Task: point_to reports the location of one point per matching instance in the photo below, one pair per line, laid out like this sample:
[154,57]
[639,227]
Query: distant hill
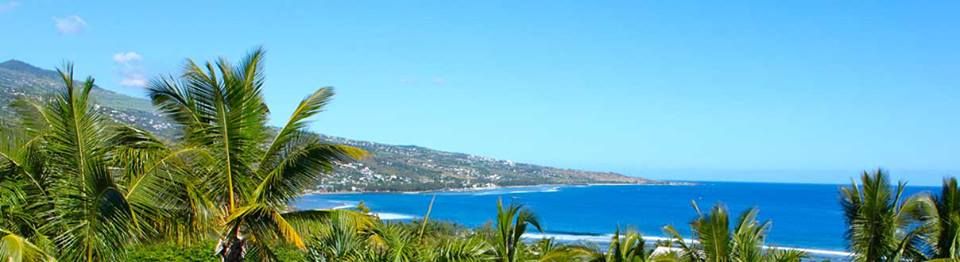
[19,79]
[390,168]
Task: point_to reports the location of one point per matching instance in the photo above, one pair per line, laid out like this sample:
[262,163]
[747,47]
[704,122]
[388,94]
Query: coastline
[821,249]
[605,238]
[480,189]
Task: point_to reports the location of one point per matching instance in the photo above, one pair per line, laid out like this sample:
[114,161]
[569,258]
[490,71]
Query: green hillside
[390,168]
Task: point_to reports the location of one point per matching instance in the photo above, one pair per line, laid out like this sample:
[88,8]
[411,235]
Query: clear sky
[817,88]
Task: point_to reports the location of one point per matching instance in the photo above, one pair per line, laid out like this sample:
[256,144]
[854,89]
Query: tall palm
[255,170]
[511,223]
[714,240]
[881,226]
[70,199]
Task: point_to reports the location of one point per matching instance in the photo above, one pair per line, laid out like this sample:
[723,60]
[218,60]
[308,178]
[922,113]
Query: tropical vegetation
[716,241]
[77,186]
[884,225]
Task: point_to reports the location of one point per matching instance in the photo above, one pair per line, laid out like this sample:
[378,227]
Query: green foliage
[630,247]
[941,214]
[884,226]
[77,186]
[251,172]
[714,240]
[549,250]
[80,187]
[18,248]
[352,236]
[66,195]
[171,252]
[511,223]
[881,225]
[199,252]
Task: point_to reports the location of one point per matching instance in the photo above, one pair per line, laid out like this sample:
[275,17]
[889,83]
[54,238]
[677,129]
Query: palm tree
[713,232]
[939,217]
[715,242]
[255,170]
[67,195]
[879,226]
[947,217]
[511,223]
[629,248]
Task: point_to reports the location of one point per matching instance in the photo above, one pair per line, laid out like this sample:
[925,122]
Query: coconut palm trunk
[231,248]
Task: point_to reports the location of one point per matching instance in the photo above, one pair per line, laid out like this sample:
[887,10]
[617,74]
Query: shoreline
[568,236]
[605,238]
[595,238]
[479,189]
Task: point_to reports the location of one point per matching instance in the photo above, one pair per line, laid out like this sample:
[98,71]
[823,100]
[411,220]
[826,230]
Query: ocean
[807,216]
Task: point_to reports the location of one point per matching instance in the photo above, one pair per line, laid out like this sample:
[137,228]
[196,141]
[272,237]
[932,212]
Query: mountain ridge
[390,167]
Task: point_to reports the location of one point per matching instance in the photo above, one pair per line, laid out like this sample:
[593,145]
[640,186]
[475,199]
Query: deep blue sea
[803,215]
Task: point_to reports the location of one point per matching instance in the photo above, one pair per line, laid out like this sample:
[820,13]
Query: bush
[203,252]
[169,252]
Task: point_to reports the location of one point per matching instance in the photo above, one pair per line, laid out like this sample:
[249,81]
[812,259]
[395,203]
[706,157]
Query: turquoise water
[803,215]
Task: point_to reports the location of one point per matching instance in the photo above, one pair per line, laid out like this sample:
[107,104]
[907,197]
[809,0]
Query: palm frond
[714,234]
[252,177]
[880,226]
[90,206]
[296,124]
[302,162]
[511,224]
[16,248]
[690,250]
[784,255]
[748,236]
[469,249]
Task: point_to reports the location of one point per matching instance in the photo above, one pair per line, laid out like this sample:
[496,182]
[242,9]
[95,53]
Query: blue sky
[791,91]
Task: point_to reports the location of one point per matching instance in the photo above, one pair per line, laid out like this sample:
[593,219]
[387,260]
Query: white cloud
[70,25]
[8,6]
[130,69]
[127,57]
